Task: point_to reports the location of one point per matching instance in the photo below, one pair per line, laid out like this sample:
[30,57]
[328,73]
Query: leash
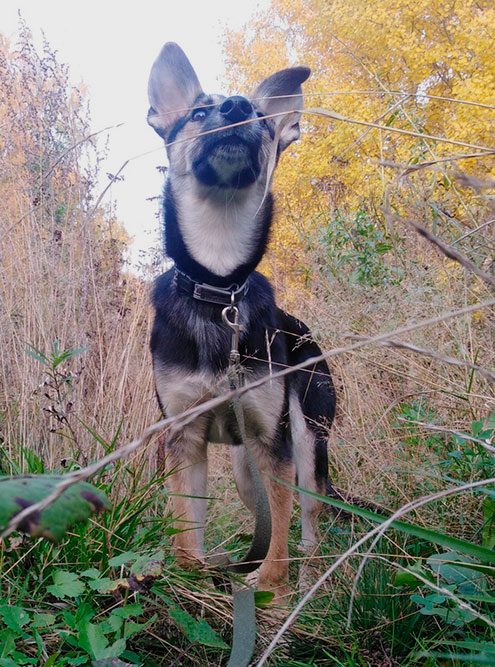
[244,635]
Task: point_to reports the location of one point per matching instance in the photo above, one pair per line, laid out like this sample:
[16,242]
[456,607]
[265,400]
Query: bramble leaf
[76,504]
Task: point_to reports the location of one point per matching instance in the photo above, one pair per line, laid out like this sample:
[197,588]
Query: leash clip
[235,328]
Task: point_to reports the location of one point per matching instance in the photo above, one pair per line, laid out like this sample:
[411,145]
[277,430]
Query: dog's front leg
[187,466]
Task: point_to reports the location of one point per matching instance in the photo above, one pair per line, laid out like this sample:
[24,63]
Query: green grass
[112,587]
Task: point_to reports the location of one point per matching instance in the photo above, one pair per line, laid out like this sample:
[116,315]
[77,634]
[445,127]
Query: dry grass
[62,277]
[373,383]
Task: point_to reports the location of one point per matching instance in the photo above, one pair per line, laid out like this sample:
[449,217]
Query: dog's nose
[236,108]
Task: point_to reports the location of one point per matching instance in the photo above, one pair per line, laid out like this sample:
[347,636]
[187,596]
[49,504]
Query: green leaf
[123,558]
[450,567]
[131,627]
[38,355]
[92,573]
[488,647]
[92,640]
[14,617]
[66,584]
[262,598]
[469,658]
[103,585]
[8,640]
[489,599]
[111,662]
[485,555]
[128,610]
[196,630]
[51,660]
[43,620]
[76,503]
[148,566]
[408,577]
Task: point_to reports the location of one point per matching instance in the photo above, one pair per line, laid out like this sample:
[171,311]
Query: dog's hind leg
[273,573]
[311,458]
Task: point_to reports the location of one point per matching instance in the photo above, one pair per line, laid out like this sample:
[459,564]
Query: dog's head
[223,142]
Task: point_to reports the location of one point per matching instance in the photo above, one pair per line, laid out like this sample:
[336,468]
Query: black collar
[225,296]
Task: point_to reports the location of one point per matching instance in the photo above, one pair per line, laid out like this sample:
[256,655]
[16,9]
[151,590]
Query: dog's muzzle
[229,158]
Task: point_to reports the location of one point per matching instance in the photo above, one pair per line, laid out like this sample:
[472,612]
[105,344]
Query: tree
[375,62]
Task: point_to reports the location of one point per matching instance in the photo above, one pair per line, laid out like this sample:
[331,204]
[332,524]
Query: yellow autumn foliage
[385,62]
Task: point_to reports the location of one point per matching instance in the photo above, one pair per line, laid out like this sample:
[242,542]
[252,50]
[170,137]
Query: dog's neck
[216,238]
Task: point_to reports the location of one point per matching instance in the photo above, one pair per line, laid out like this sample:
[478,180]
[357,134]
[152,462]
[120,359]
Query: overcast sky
[110,46]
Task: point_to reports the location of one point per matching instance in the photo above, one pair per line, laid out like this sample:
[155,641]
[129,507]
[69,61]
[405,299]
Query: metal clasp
[235,327]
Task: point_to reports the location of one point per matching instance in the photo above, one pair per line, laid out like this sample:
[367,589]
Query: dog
[217,210]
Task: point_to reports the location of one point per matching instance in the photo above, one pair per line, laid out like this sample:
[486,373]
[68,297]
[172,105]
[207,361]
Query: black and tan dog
[217,216]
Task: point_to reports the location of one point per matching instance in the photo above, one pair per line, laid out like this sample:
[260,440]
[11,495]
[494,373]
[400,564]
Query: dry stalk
[377,533]
[447,250]
[431,354]
[409,133]
[178,422]
[486,444]
[438,589]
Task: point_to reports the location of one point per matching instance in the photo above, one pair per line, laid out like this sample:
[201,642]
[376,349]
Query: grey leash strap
[244,636]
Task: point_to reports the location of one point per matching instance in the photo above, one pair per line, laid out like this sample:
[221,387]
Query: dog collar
[225,296]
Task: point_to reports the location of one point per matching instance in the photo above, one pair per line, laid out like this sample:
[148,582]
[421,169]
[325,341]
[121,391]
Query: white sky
[110,46]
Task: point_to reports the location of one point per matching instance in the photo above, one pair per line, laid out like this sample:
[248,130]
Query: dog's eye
[261,117]
[198,114]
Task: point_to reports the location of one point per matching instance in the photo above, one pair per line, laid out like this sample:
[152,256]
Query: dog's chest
[220,237]
[262,407]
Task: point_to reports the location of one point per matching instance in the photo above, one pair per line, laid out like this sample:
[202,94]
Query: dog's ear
[173,88]
[269,98]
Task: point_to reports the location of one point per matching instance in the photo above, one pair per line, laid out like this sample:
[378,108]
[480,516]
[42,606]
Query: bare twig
[410,168]
[447,249]
[438,589]
[430,353]
[378,531]
[180,421]
[473,231]
[443,429]
[336,116]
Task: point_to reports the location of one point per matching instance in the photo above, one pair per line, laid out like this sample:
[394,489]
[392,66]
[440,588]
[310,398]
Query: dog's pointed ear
[280,92]
[173,88]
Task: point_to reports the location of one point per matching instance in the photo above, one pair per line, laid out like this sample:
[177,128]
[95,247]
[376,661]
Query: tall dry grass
[62,274]
[63,279]
[410,282]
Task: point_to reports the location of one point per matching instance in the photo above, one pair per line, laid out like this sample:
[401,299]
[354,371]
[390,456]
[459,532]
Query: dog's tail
[334,492]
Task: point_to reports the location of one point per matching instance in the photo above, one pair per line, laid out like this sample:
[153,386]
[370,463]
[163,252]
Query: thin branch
[335,116]
[447,250]
[178,422]
[438,589]
[430,353]
[473,231]
[443,429]
[378,531]
[410,168]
